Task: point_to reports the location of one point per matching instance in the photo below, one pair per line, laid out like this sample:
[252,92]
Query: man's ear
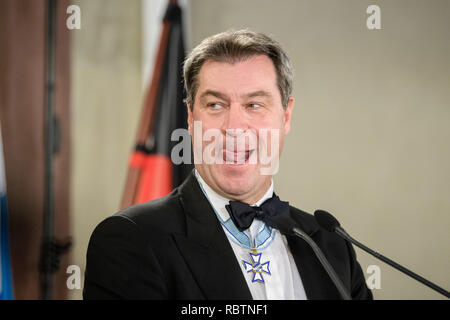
[190,119]
[288,115]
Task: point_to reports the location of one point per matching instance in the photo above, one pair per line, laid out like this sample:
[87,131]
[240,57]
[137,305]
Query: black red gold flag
[151,172]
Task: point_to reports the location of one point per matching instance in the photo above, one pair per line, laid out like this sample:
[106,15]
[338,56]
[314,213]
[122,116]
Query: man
[214,237]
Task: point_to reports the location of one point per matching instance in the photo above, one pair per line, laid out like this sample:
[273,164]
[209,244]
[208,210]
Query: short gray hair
[234,46]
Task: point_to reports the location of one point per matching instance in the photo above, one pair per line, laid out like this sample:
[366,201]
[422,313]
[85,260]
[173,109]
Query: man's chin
[236,180]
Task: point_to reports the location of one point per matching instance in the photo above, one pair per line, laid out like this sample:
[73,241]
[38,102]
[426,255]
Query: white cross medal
[256,267]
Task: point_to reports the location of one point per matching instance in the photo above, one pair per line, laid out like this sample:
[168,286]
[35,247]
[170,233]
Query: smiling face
[238,100]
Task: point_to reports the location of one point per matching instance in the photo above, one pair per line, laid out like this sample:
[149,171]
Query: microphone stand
[287,226]
[341,232]
[327,266]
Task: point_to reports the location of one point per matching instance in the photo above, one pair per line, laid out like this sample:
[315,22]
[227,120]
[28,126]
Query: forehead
[251,74]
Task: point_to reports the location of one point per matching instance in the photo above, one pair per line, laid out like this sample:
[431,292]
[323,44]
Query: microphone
[287,226]
[329,223]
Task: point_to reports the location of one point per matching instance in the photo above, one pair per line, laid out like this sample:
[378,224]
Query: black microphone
[287,226]
[329,223]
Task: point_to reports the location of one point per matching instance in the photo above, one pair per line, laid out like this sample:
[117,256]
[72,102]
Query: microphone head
[326,220]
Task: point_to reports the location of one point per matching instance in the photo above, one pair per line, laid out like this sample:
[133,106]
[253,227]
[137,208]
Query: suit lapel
[316,281]
[213,264]
[206,249]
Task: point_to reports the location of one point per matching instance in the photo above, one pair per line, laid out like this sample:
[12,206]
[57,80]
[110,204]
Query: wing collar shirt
[280,279]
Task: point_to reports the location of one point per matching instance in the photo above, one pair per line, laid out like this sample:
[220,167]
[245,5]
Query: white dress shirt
[283,282]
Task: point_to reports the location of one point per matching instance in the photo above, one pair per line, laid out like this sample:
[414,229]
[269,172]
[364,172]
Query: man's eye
[215,106]
[254,106]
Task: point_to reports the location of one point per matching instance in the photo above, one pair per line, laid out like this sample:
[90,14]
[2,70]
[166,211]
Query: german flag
[151,172]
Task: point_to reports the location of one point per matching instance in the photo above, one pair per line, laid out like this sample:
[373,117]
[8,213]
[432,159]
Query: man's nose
[236,119]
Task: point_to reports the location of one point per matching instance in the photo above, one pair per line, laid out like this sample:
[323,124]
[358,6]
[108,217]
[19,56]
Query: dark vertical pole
[48,226]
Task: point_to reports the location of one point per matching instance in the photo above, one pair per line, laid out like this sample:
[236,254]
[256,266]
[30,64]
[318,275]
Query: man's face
[242,102]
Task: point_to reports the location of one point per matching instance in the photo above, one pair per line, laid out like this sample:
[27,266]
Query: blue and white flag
[6,292]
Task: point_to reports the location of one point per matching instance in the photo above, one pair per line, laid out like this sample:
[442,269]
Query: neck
[252,197]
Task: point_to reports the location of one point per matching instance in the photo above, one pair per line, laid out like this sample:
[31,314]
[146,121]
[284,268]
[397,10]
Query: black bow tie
[243,214]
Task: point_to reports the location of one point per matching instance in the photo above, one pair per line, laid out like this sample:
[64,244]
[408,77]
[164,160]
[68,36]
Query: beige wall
[370,131]
[106,102]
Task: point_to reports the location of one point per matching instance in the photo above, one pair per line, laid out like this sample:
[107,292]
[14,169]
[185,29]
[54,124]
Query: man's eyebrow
[216,94]
[259,93]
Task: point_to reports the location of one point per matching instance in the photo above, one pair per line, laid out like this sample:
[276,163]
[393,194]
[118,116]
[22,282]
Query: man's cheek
[269,151]
[197,141]
[212,146]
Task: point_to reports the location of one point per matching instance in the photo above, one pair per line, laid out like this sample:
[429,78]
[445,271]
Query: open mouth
[237,157]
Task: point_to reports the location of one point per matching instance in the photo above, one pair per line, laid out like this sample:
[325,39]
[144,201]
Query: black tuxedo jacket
[175,248]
